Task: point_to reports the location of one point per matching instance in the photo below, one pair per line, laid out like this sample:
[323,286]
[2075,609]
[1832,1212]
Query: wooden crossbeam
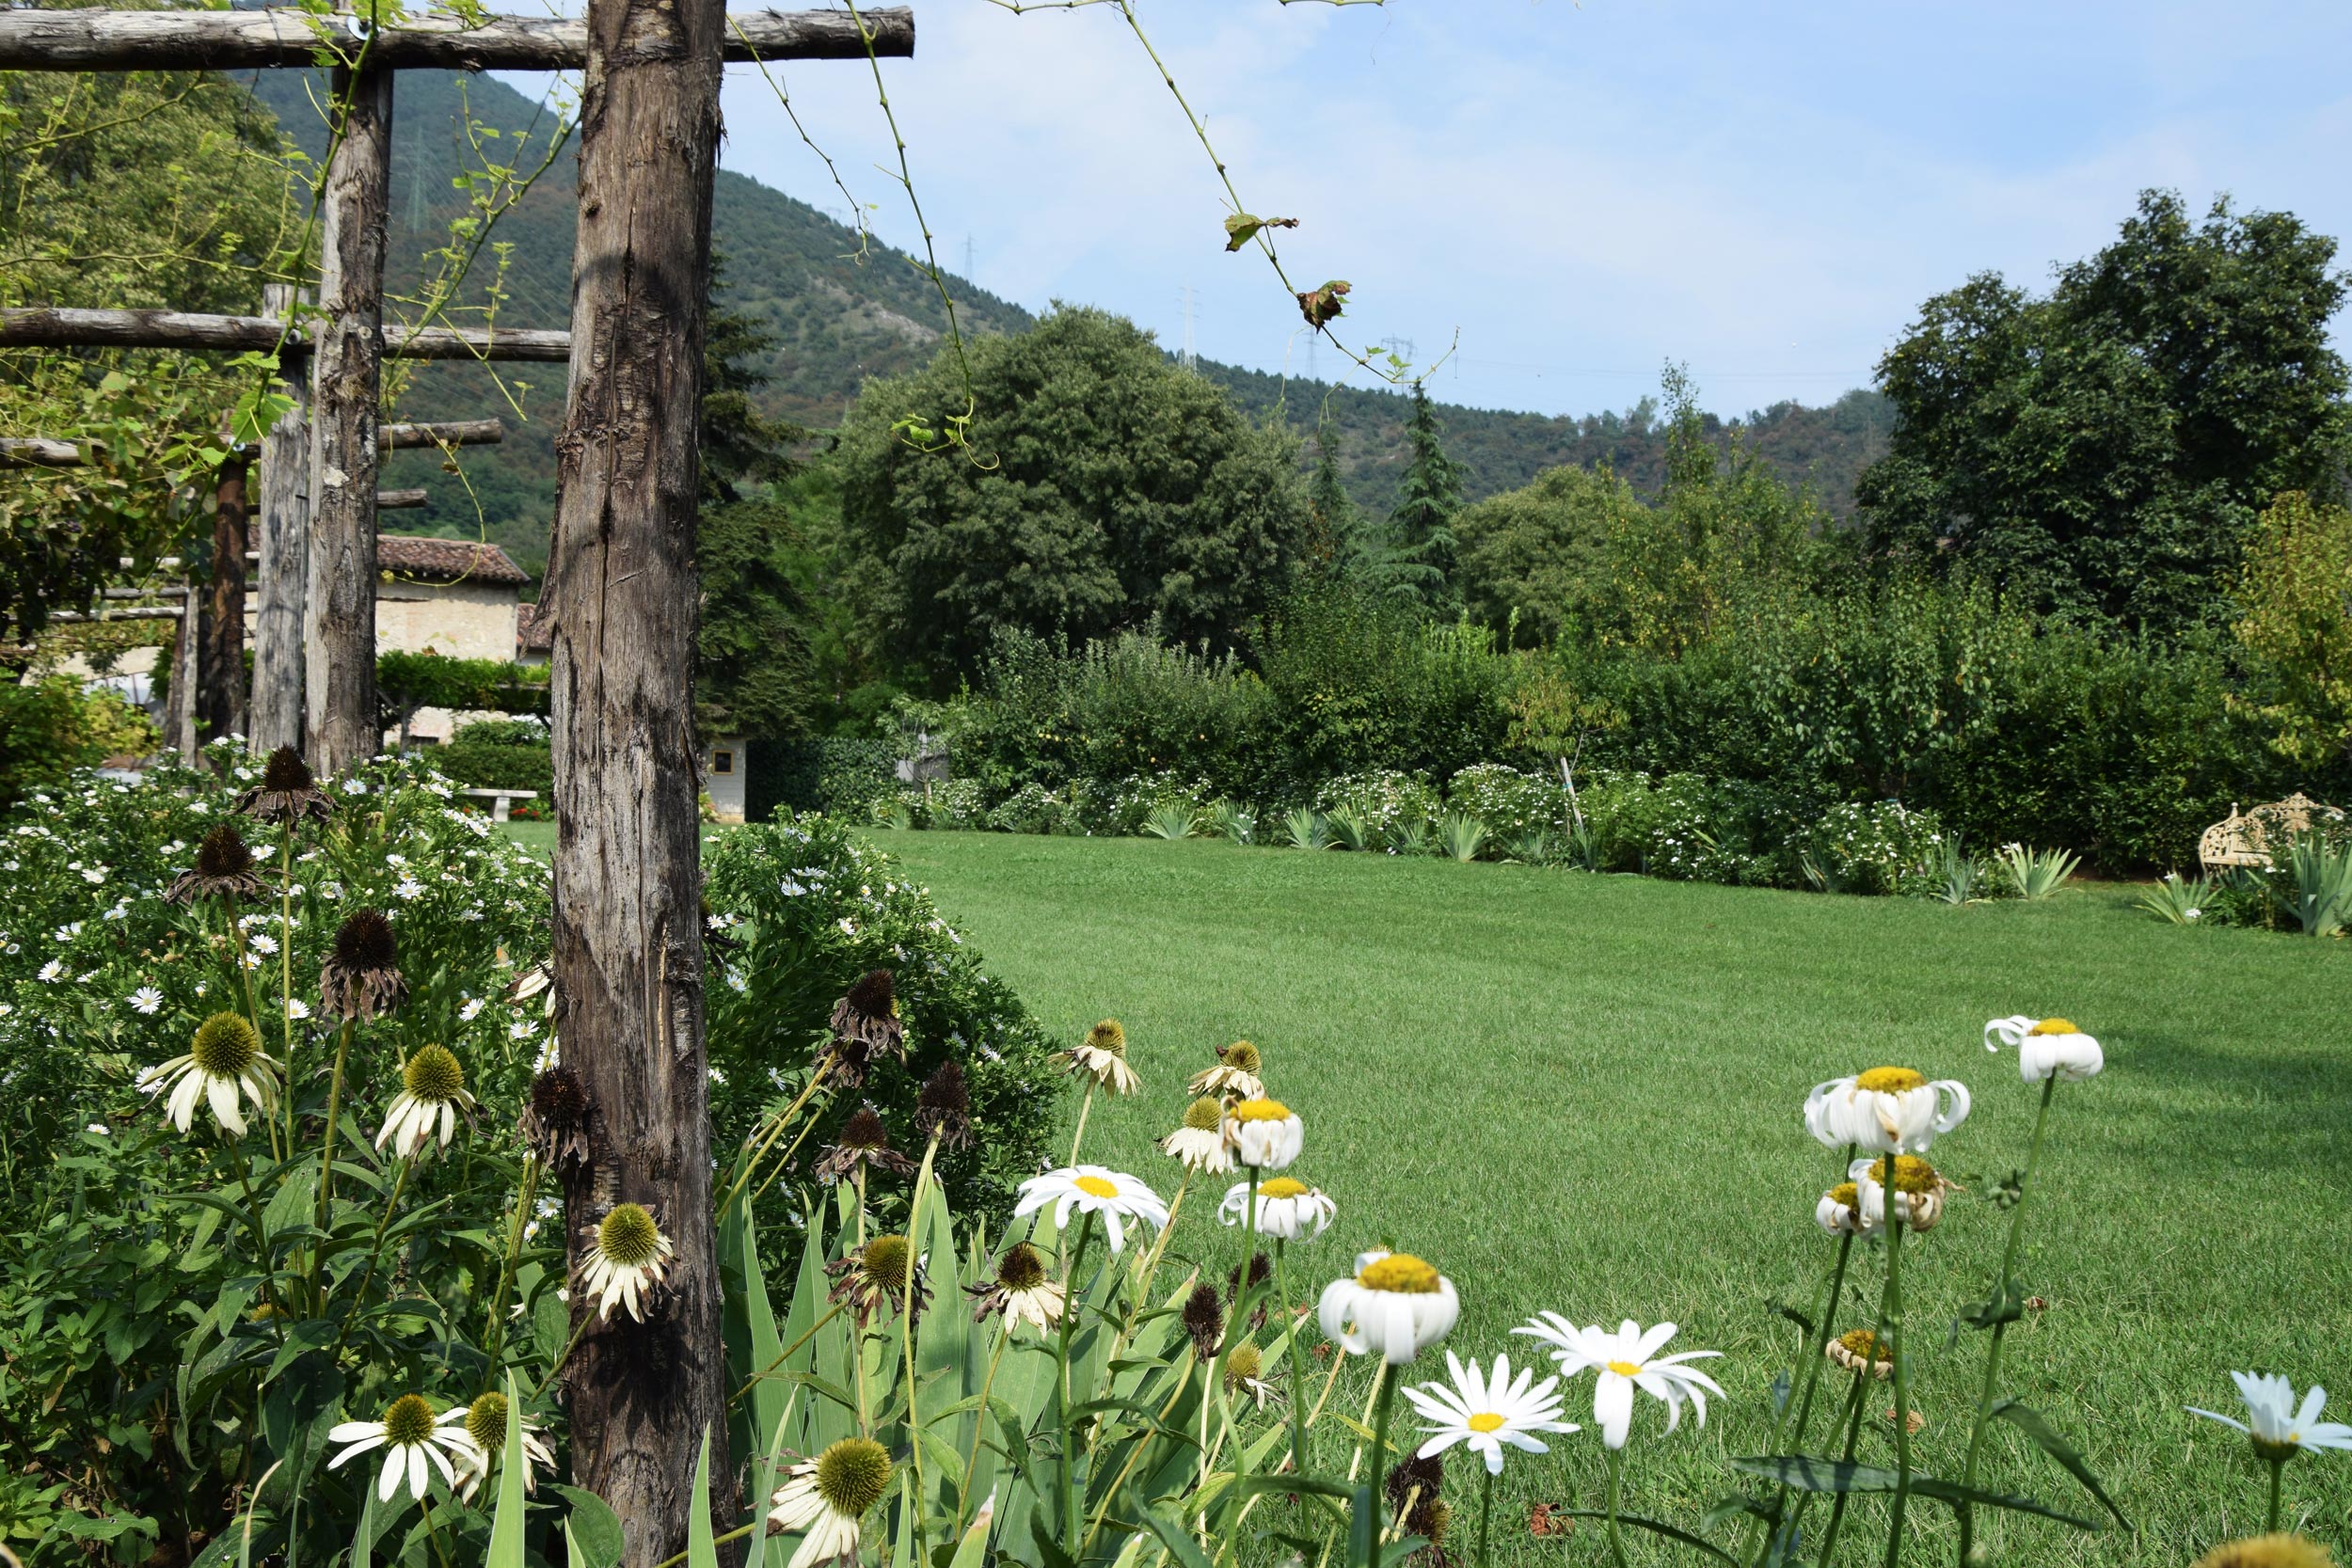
[37,452]
[399,500]
[286,36]
[447,433]
[45,327]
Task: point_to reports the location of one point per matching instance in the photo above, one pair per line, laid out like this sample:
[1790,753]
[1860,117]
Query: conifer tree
[1418,564]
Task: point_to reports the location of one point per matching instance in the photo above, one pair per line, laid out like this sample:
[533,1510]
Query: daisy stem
[327,1150]
[1384,1396]
[1066,1479]
[775,1131]
[1234,1329]
[1084,1106]
[2000,1328]
[979,1422]
[914,1426]
[1298,1407]
[1617,1541]
[2277,1467]
[285,968]
[433,1535]
[1853,1436]
[1485,1517]
[1893,1313]
[375,1251]
[1809,1375]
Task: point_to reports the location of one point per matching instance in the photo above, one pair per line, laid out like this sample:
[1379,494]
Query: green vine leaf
[1323,306]
[1242,227]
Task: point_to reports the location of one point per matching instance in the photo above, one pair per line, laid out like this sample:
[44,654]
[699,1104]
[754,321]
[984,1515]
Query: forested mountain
[838,319]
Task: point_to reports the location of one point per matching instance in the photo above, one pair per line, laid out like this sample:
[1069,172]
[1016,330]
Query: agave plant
[1235,822]
[2178,899]
[1582,849]
[1409,838]
[1532,848]
[1308,830]
[1955,876]
[2320,898]
[1169,820]
[2035,872]
[1348,831]
[1461,835]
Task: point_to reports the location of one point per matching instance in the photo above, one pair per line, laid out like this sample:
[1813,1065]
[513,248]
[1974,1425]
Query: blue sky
[1765,191]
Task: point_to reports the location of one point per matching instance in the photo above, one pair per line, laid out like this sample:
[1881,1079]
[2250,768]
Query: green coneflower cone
[287,792]
[2280,1550]
[852,1475]
[486,1423]
[407,1419]
[1243,1363]
[1205,1114]
[1243,1056]
[434,1074]
[878,1277]
[224,1046]
[224,869]
[629,1236]
[1110,1035]
[361,976]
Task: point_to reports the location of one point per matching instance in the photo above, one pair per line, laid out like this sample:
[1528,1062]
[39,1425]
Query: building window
[723,762]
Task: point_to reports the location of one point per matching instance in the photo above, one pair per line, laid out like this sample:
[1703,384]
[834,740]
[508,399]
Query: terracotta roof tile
[532,635]
[447,559]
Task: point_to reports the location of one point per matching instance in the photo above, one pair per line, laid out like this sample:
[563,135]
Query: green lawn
[1582,1093]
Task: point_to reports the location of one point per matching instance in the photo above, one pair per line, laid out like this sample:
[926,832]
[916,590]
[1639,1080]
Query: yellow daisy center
[1861,1345]
[1283,1186]
[1260,1110]
[1400,1272]
[1888,1080]
[1094,1186]
[2053,1026]
[852,1475]
[1846,1195]
[2268,1551]
[1485,1421]
[1625,1369]
[407,1419]
[1913,1175]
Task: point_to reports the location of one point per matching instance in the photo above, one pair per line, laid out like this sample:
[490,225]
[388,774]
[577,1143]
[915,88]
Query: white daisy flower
[408,889]
[410,1433]
[297,1009]
[1487,1410]
[1393,1306]
[225,1061]
[263,944]
[1626,1360]
[1887,1110]
[1264,1133]
[486,1426]
[433,1087]
[51,971]
[471,1010]
[101,1129]
[2046,1048]
[2280,1428]
[1839,1212]
[1288,1210]
[1199,1143]
[1918,1192]
[1092,1190]
[826,1499]
[146,999]
[627,1259]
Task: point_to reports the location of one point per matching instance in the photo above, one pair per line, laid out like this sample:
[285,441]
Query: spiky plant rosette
[555,1118]
[361,976]
[943,1110]
[287,792]
[1021,1291]
[876,1277]
[224,868]
[862,1143]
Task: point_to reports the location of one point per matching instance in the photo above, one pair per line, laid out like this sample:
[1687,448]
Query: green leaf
[2031,1423]
[594,1528]
[1172,1534]
[363,1539]
[1807,1473]
[702,1546]
[1953,1493]
[1655,1527]
[506,1522]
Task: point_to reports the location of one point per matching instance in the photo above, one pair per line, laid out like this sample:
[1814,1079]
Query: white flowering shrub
[1511,803]
[957,804]
[1877,848]
[1394,807]
[1035,808]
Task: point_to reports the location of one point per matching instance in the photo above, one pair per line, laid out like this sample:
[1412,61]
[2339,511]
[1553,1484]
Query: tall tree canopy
[2107,449]
[1419,561]
[1537,554]
[1102,488]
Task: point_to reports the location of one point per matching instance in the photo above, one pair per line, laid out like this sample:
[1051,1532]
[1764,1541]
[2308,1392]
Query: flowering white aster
[1887,1110]
[627,1257]
[2046,1048]
[1487,1410]
[1092,1190]
[1264,1133]
[225,1061]
[1394,1305]
[410,1433]
[52,971]
[433,1088]
[471,1010]
[1626,1360]
[486,1426]
[296,1010]
[827,1498]
[2278,1427]
[1918,1192]
[1199,1143]
[146,999]
[1288,1210]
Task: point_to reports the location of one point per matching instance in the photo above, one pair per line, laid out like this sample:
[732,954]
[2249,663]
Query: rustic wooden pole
[221,637]
[283,536]
[46,327]
[179,703]
[339,637]
[399,500]
[448,433]
[623,587]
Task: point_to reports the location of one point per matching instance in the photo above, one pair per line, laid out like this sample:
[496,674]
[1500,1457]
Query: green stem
[2000,1329]
[1297,1382]
[914,1426]
[285,970]
[1084,1106]
[494,1332]
[735,1534]
[376,1252]
[775,1131]
[1066,1480]
[326,1154]
[980,1424]
[1809,1378]
[1384,1396]
[1617,1541]
[1853,1439]
[2277,1467]
[787,1353]
[1485,1517]
[1893,1313]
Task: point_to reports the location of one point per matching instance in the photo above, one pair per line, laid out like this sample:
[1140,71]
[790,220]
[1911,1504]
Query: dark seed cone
[361,976]
[555,1118]
[1204,1319]
[868,1013]
[223,869]
[863,1141]
[287,792]
[1414,1485]
[1261,1270]
[944,1109]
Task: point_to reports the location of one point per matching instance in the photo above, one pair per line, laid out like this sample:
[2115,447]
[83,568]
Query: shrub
[52,726]
[501,753]
[1035,808]
[1383,801]
[1510,803]
[847,775]
[957,803]
[1880,848]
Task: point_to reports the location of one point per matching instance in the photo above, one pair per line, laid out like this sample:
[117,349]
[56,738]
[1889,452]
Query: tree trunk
[622,593]
[339,640]
[223,633]
[283,542]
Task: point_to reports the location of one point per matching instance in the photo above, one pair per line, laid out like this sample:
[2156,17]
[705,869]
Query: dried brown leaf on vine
[1242,226]
[1323,306]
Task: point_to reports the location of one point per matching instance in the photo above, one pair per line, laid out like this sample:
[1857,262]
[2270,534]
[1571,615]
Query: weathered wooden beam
[449,433]
[179,702]
[221,636]
[287,36]
[347,387]
[24,326]
[137,612]
[37,452]
[283,540]
[399,500]
[622,580]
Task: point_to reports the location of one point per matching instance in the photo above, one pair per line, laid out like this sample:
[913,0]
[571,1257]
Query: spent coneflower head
[361,976]
[878,1276]
[863,1142]
[1102,1057]
[225,1063]
[824,1499]
[1199,1143]
[1204,1319]
[555,1118]
[1261,1271]
[626,1259]
[432,1089]
[868,1013]
[1021,1291]
[223,869]
[1235,1075]
[1413,1488]
[287,792]
[944,1109]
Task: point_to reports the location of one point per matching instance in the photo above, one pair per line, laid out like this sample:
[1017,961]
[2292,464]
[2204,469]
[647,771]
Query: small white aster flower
[146,1000]
[408,890]
[471,1010]
[1485,1411]
[51,971]
[297,1009]
[410,1433]
[263,944]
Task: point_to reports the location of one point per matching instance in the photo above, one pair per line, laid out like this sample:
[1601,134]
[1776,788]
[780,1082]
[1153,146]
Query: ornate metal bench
[2246,838]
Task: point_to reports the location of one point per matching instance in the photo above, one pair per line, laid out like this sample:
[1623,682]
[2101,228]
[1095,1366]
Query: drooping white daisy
[2046,1048]
[486,1425]
[2280,1429]
[1264,1133]
[1919,1190]
[1092,1190]
[146,999]
[1626,1360]
[827,1498]
[1887,1110]
[1199,1143]
[1102,1056]
[410,1433]
[1487,1410]
[1288,1210]
[1394,1305]
[628,1256]
[225,1061]
[433,1088]
[1839,1212]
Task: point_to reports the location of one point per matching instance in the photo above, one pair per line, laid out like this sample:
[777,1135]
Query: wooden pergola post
[220,654]
[283,538]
